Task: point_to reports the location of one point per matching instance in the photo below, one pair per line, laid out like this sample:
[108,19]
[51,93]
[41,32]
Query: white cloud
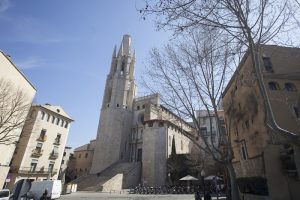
[4,5]
[29,63]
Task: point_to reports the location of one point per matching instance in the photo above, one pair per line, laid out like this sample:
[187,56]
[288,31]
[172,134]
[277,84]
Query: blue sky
[64,48]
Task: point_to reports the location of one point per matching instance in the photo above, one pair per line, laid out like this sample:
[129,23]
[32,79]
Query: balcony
[53,156]
[37,171]
[57,141]
[42,138]
[36,153]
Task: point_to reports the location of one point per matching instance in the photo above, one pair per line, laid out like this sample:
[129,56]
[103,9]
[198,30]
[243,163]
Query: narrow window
[117,105]
[57,122]
[274,86]
[79,156]
[138,107]
[296,110]
[62,123]
[66,125]
[123,67]
[53,119]
[143,106]
[51,166]
[43,115]
[247,124]
[244,151]
[33,165]
[268,64]
[290,87]
[86,155]
[48,117]
[181,145]
[42,135]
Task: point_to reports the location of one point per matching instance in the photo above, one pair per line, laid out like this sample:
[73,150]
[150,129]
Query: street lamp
[203,183]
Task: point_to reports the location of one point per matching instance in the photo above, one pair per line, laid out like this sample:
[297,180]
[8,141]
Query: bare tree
[14,106]
[248,23]
[191,75]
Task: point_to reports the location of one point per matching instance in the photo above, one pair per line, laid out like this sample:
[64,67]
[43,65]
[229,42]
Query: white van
[4,194]
[38,188]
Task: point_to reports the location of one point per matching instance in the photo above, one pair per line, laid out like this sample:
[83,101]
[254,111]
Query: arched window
[62,123]
[57,122]
[123,67]
[274,86]
[43,115]
[290,87]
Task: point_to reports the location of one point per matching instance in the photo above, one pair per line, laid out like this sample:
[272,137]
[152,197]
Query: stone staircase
[114,178]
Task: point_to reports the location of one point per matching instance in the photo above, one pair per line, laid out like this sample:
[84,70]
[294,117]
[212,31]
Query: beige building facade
[11,75]
[40,150]
[260,152]
[82,160]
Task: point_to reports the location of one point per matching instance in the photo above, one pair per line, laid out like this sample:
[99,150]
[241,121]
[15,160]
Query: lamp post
[203,183]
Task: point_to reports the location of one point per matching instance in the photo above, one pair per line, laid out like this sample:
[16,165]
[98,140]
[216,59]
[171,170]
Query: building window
[274,86]
[57,121]
[290,87]
[42,136]
[247,124]
[268,64]
[33,165]
[51,166]
[53,119]
[43,115]
[62,123]
[203,131]
[138,107]
[143,106]
[181,145]
[160,124]
[123,67]
[48,117]
[65,153]
[86,155]
[57,139]
[296,110]
[170,140]
[244,151]
[66,125]
[79,156]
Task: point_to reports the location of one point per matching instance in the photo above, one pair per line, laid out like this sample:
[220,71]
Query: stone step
[95,182]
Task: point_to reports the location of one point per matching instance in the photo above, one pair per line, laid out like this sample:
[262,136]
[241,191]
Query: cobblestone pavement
[115,196]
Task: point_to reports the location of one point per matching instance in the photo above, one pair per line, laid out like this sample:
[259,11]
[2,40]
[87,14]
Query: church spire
[114,52]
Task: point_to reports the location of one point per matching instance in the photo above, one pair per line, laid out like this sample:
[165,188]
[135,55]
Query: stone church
[134,138]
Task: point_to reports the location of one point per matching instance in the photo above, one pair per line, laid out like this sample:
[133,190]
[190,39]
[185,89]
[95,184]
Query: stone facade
[12,75]
[82,160]
[258,150]
[136,129]
[39,152]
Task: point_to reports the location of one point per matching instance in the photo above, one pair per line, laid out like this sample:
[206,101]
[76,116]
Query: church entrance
[139,155]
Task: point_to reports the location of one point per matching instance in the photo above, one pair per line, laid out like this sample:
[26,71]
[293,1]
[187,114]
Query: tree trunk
[233,185]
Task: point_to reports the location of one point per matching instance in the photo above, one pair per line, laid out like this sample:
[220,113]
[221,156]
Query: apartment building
[13,86]
[40,150]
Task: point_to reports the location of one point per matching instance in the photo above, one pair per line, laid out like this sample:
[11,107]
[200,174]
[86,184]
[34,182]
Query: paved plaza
[116,196]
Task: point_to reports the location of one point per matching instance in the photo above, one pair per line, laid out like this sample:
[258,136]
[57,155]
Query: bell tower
[116,111]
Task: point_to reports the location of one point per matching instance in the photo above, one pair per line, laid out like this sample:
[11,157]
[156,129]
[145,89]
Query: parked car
[4,194]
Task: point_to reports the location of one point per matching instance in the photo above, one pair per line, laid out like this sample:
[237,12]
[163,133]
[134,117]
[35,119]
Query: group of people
[198,195]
